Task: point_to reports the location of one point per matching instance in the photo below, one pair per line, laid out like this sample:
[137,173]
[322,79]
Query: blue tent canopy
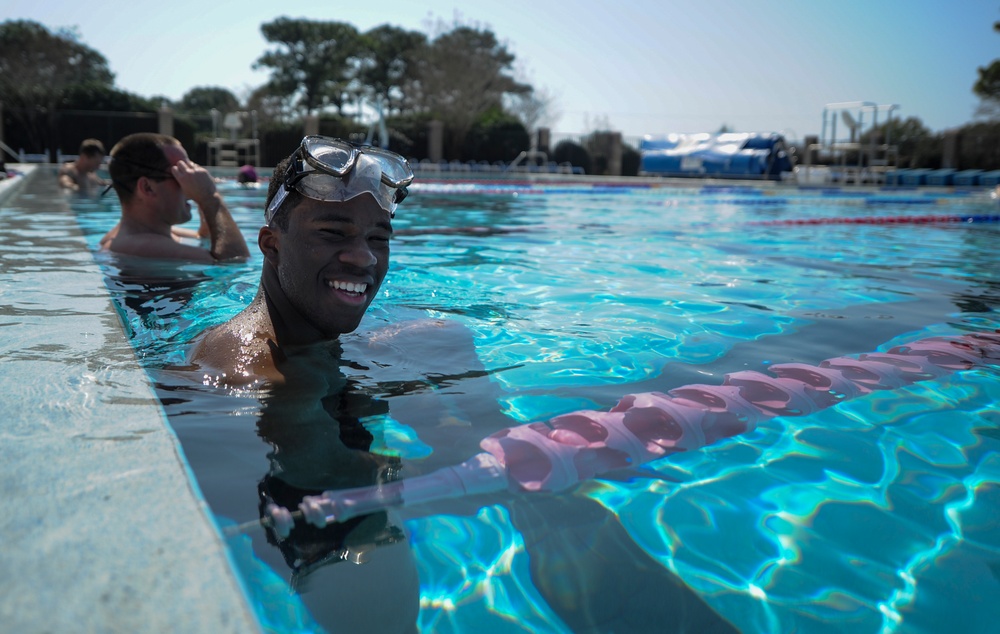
[725,155]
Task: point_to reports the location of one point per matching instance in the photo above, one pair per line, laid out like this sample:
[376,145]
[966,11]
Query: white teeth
[350,287]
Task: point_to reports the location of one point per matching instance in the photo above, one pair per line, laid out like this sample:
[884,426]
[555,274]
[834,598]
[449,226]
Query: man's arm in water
[227,240]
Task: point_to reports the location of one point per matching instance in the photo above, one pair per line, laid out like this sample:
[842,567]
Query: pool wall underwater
[104,529]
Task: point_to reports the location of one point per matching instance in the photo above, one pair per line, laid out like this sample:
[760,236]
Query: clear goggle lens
[333,170]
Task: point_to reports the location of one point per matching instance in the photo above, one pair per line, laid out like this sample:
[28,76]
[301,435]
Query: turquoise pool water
[879,514]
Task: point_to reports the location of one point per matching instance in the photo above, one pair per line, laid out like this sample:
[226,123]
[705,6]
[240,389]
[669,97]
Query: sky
[639,67]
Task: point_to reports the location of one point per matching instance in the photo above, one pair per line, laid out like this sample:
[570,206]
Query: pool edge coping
[102,551]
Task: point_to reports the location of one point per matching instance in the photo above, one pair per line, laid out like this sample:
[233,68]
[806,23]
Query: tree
[987,87]
[574,154]
[460,76]
[203,99]
[105,98]
[534,109]
[271,106]
[918,146]
[386,62]
[496,136]
[38,68]
[314,61]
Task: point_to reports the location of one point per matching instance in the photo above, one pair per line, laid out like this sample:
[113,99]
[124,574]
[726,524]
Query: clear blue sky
[642,67]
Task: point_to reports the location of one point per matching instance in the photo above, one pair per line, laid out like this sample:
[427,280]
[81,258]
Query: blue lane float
[882,220]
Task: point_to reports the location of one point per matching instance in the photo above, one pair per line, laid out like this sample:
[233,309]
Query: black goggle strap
[143,166]
[161,174]
[400,195]
[293,175]
[297,170]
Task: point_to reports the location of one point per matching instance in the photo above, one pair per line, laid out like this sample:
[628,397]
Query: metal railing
[851,159]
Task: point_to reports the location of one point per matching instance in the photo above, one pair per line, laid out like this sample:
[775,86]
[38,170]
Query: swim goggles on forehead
[334,170]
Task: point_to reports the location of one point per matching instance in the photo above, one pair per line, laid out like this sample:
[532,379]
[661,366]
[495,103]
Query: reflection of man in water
[311,434]
[318,442]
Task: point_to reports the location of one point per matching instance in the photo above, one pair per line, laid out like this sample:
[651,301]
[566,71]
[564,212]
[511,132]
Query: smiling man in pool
[325,243]
[324,393]
[154,180]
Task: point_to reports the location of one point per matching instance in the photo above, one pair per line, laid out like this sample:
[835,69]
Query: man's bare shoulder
[240,351]
[154,245]
[243,351]
[68,176]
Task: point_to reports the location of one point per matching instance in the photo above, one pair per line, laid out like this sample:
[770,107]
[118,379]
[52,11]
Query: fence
[39,134]
[56,136]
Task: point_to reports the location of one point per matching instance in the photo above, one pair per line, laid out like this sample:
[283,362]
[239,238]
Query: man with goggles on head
[154,180]
[326,252]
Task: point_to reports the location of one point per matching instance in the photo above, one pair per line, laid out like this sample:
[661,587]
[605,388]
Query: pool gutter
[104,529]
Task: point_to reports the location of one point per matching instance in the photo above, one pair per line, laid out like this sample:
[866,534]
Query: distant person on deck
[154,180]
[80,175]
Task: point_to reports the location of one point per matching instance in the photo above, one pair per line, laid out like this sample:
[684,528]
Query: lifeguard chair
[235,150]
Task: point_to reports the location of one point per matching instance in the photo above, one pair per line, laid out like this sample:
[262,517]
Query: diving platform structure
[235,150]
[852,151]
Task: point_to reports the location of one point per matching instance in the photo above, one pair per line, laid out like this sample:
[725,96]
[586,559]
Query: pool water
[879,514]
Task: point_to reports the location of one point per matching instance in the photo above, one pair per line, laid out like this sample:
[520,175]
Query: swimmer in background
[247,176]
[80,175]
[154,180]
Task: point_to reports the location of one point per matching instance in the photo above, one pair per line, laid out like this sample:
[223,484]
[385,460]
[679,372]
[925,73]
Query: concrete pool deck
[104,529]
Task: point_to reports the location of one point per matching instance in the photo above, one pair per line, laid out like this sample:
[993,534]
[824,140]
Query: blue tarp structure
[726,155]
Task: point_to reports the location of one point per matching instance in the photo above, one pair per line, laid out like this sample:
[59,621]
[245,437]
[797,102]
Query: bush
[630,161]
[496,137]
[574,154]
[408,135]
[341,128]
[277,140]
[979,146]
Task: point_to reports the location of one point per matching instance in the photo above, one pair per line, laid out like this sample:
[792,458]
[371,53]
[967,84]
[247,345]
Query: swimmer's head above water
[325,242]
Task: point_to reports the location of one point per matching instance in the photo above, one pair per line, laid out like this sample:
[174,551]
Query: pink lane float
[557,454]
